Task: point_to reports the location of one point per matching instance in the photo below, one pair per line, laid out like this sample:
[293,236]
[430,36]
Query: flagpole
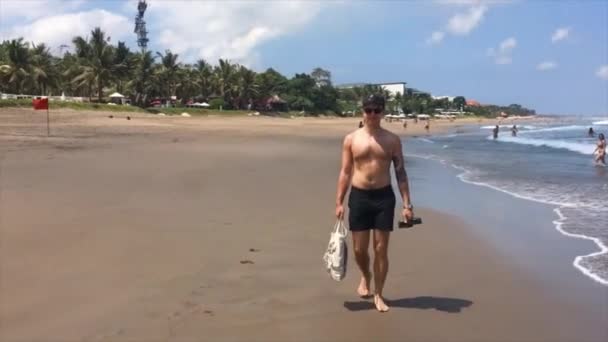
[48,130]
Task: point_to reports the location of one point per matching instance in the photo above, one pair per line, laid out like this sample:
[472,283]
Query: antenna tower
[140,25]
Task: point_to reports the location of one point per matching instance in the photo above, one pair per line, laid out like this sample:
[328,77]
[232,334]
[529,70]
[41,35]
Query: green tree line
[96,67]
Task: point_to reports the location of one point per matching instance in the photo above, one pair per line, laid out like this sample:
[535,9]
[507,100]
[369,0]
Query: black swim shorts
[371,208]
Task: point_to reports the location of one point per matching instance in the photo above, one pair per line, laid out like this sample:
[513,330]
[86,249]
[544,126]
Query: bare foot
[363,289]
[380,305]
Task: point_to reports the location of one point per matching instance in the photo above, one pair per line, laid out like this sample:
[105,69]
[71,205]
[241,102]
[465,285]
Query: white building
[450,98]
[394,88]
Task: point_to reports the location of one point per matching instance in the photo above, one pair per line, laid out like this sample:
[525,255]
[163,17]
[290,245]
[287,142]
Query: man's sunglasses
[373,110]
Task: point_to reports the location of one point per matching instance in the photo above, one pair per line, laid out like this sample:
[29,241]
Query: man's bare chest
[366,149]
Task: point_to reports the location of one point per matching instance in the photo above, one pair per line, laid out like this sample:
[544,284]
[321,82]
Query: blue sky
[498,52]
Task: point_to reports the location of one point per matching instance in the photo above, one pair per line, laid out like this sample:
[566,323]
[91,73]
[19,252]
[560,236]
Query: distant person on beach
[591,132]
[600,150]
[427,125]
[360,124]
[495,131]
[404,124]
[514,130]
[366,160]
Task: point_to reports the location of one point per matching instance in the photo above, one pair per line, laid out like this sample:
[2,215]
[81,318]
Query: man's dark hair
[374,100]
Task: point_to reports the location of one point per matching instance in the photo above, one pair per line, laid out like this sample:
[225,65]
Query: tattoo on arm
[400,169]
[401,175]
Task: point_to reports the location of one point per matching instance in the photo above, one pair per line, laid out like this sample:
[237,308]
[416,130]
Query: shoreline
[557,222]
[534,245]
[154,230]
[577,261]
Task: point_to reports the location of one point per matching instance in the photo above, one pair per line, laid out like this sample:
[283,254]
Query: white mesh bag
[336,255]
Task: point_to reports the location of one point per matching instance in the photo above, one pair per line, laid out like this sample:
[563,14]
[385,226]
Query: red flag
[40,103]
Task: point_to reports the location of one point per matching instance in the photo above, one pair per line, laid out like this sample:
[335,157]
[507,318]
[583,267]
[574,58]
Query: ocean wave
[558,129]
[469,176]
[579,259]
[582,148]
[428,157]
[579,207]
[603,122]
[453,135]
[509,126]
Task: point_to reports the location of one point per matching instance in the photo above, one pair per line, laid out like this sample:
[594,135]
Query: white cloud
[61,29]
[34,9]
[508,44]
[546,65]
[435,38]
[502,55]
[560,34]
[464,23]
[602,72]
[193,29]
[230,30]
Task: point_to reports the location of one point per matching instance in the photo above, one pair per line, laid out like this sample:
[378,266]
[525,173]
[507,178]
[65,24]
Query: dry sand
[213,229]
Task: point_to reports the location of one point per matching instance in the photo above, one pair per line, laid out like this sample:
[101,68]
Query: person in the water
[600,150]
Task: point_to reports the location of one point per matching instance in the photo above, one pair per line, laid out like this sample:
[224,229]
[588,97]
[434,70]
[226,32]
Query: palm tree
[17,71]
[143,77]
[223,77]
[397,102]
[270,82]
[168,71]
[96,61]
[203,73]
[75,68]
[43,70]
[187,85]
[386,94]
[247,86]
[322,77]
[123,65]
[460,102]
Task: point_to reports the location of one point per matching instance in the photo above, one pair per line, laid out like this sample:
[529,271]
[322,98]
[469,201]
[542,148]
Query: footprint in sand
[189,308]
[247,262]
[197,293]
[189,304]
[254,250]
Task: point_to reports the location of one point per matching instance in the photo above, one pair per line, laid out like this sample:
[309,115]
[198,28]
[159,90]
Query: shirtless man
[367,154]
